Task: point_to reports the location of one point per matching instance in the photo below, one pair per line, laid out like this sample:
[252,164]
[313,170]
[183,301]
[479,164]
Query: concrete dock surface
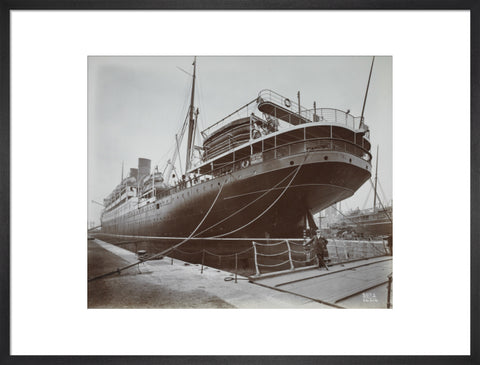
[172,283]
[357,284]
[161,284]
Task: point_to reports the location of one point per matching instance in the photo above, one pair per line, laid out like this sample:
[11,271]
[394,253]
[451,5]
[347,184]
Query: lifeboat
[227,137]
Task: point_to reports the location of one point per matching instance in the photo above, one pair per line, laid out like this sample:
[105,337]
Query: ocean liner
[261,171]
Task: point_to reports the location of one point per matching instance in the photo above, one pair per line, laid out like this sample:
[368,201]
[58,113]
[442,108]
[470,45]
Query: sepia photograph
[240,182]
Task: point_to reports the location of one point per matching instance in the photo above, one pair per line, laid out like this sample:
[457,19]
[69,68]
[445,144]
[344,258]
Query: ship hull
[269,199]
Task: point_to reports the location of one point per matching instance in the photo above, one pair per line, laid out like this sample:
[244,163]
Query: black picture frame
[7,6]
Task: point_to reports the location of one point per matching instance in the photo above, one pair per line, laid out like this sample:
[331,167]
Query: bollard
[203,258]
[236,266]
[389,305]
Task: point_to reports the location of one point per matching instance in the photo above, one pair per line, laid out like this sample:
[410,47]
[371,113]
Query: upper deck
[272,122]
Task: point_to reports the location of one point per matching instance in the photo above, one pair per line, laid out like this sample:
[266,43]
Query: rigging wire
[181,127]
[201,98]
[162,160]
[366,200]
[383,192]
[383,208]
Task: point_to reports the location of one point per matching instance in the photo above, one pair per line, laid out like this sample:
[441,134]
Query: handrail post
[304,139]
[256,261]
[251,135]
[389,304]
[290,256]
[203,259]
[275,146]
[236,266]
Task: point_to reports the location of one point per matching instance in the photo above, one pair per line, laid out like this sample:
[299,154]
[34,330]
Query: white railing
[326,115]
[243,112]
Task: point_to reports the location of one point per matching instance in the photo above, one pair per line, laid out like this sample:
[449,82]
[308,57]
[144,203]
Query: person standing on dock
[390,244]
[320,249]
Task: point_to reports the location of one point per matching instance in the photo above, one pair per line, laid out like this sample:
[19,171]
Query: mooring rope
[143,238]
[201,222]
[270,206]
[246,206]
[170,248]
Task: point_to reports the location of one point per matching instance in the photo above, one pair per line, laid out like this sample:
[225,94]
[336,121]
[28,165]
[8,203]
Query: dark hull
[280,212]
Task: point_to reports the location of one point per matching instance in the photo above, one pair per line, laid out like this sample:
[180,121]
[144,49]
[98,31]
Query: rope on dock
[201,222]
[167,250]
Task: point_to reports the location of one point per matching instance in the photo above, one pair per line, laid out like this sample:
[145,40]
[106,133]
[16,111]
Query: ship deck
[172,283]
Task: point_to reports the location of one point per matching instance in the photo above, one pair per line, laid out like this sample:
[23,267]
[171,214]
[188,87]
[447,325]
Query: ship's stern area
[276,195]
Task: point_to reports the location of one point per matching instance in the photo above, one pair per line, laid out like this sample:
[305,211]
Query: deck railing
[326,115]
[243,112]
[280,151]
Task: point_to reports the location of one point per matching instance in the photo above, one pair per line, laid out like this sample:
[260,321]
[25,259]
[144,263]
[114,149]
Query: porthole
[325,158]
[291,162]
[350,160]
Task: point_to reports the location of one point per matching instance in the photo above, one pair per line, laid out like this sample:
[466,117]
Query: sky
[136,105]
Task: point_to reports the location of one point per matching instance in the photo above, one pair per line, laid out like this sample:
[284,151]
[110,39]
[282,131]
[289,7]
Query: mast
[366,91]
[191,124]
[375,192]
[298,97]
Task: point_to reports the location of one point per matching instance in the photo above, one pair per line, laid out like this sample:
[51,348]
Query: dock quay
[173,283]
